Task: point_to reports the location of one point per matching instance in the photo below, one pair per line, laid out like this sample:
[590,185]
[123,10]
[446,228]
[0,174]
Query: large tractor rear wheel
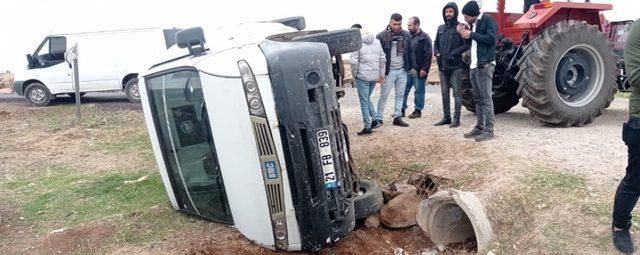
[567,74]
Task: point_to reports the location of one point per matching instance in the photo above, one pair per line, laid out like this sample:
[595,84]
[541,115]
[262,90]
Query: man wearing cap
[481,30]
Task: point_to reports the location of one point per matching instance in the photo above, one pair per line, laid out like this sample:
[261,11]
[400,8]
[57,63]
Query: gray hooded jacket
[369,62]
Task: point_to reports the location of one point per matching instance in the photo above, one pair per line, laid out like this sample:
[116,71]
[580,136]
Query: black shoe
[415,114]
[485,136]
[365,131]
[376,124]
[475,132]
[622,241]
[455,123]
[444,121]
[398,122]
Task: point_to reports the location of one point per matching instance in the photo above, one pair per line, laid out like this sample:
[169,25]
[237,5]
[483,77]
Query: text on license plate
[326,159]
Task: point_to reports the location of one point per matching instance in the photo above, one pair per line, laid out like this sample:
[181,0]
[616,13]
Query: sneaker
[376,124]
[475,132]
[415,114]
[455,123]
[622,241]
[365,131]
[444,121]
[398,122]
[485,136]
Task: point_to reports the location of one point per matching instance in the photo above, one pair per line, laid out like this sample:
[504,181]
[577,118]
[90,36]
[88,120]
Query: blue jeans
[418,95]
[396,79]
[365,89]
[481,85]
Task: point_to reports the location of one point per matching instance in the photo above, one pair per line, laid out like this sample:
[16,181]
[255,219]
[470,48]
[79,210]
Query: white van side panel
[238,157]
[105,58]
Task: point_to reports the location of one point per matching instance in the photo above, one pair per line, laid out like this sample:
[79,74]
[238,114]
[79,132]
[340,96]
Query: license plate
[326,159]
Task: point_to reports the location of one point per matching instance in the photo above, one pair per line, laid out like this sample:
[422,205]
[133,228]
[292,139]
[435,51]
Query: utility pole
[71,56]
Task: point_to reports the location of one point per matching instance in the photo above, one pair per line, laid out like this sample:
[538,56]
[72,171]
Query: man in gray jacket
[368,66]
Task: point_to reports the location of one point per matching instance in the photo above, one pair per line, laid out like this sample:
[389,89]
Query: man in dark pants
[629,188]
[422,49]
[482,32]
[449,47]
[396,44]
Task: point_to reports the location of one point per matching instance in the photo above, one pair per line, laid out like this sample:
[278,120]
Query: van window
[51,51]
[58,46]
[181,120]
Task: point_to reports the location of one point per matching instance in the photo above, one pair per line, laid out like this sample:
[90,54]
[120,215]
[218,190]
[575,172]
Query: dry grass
[6,79]
[547,214]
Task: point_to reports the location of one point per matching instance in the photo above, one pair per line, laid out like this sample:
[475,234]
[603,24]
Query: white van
[108,61]
[247,131]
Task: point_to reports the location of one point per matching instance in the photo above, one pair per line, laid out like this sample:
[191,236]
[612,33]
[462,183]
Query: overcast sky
[24,23]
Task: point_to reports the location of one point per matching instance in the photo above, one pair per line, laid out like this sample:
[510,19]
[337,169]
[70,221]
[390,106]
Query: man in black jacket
[481,30]
[396,44]
[449,47]
[422,49]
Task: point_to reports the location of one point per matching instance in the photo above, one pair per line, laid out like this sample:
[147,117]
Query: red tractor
[555,57]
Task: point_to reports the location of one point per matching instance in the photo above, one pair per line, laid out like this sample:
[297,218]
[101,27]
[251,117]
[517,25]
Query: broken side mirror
[30,62]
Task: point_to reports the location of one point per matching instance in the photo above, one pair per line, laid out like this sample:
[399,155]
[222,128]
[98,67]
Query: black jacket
[422,48]
[485,37]
[449,44]
[409,57]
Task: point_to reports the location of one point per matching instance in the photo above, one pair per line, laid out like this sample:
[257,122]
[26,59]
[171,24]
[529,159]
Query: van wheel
[368,200]
[132,90]
[38,94]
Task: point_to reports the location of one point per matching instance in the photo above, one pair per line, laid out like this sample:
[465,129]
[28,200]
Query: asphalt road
[106,99]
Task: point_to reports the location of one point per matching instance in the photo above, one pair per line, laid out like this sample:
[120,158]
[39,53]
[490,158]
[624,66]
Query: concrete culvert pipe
[453,216]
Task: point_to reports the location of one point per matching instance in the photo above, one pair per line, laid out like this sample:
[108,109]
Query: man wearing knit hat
[481,30]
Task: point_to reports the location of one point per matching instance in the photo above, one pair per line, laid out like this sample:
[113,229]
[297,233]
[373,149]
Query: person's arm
[355,61]
[489,37]
[428,54]
[383,61]
[436,44]
[464,47]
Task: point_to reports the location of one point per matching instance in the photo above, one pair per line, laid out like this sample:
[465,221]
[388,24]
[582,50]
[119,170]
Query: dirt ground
[546,190]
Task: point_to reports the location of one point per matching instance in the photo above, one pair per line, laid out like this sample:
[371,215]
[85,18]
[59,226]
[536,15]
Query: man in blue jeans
[368,67]
[423,53]
[396,44]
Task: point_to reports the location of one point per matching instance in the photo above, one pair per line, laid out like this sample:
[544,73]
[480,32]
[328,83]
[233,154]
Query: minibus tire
[370,201]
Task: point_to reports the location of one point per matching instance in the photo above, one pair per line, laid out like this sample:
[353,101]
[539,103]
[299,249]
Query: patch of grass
[153,224]
[60,195]
[472,174]
[623,94]
[418,167]
[59,116]
[136,141]
[548,186]
[376,169]
[529,215]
